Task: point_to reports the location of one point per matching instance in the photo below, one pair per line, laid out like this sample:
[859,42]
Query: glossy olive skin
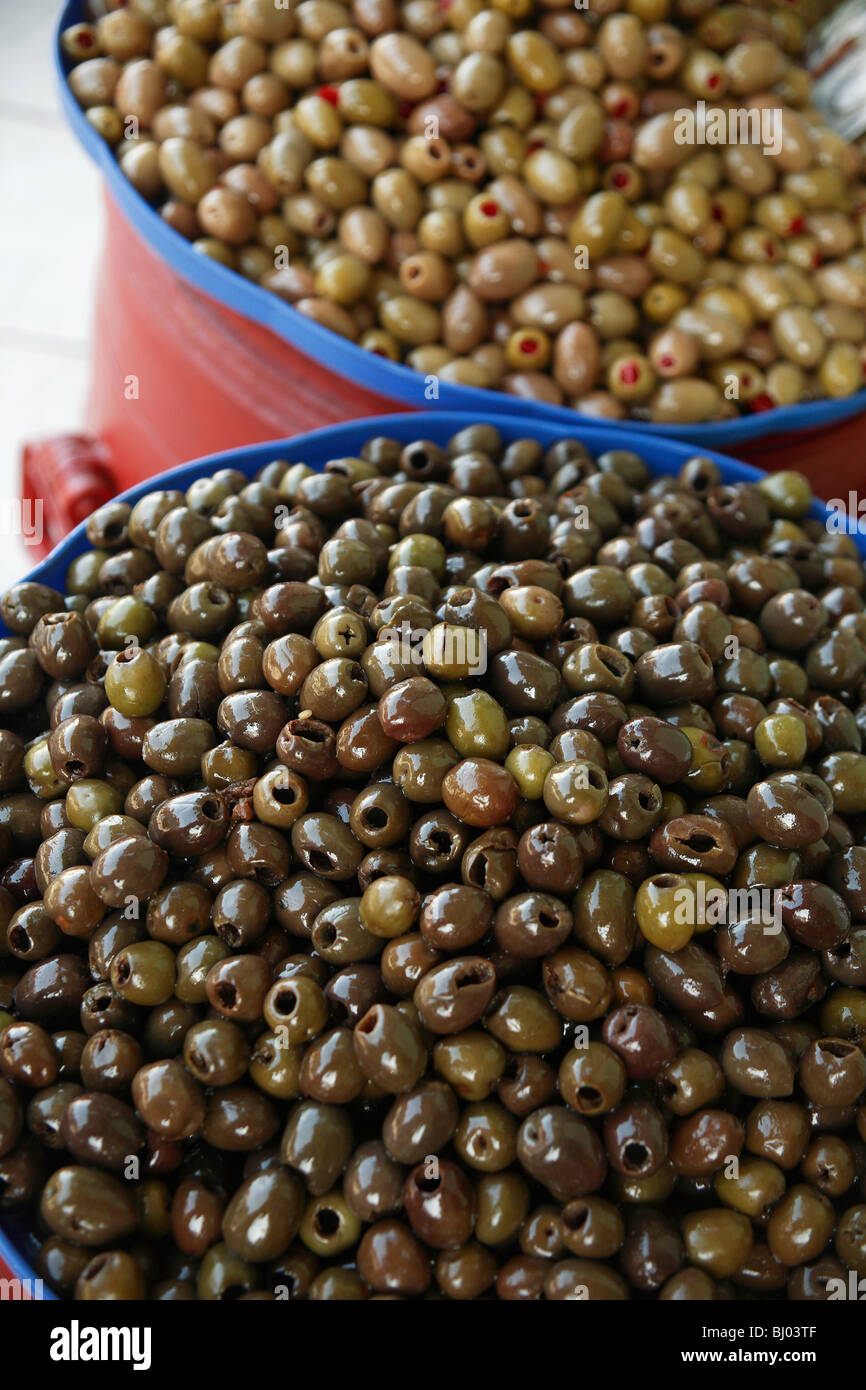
[562,1151]
[263,1216]
[101,1130]
[94,1208]
[420,1122]
[452,996]
[650,746]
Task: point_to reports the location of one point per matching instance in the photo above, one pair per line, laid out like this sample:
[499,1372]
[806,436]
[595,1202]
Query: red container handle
[63,480]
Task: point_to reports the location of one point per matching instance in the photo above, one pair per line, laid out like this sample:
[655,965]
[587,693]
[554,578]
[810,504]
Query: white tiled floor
[50,236]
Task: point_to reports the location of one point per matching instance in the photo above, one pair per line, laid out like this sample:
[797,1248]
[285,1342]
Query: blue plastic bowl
[400,383]
[17,1241]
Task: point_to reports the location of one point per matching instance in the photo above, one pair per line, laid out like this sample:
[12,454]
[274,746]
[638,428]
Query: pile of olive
[357,832]
[506,196]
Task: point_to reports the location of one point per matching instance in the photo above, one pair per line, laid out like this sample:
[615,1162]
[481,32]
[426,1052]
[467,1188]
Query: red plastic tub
[191,358]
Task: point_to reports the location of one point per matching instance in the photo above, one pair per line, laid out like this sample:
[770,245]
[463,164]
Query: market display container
[189,357]
[662,455]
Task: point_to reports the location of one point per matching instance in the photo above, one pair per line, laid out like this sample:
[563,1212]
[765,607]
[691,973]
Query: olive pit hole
[477,871]
[417,460]
[635,1156]
[313,734]
[286,1001]
[700,842]
[616,665]
[589,1097]
[441,841]
[474,975]
[326,1221]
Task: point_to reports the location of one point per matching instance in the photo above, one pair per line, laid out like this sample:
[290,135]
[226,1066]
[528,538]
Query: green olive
[477,726]
[135,682]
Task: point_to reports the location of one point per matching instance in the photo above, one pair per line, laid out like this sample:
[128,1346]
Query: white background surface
[50,238]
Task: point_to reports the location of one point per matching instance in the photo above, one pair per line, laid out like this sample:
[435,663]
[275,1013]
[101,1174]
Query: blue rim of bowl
[316,447]
[662,455]
[402,384]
